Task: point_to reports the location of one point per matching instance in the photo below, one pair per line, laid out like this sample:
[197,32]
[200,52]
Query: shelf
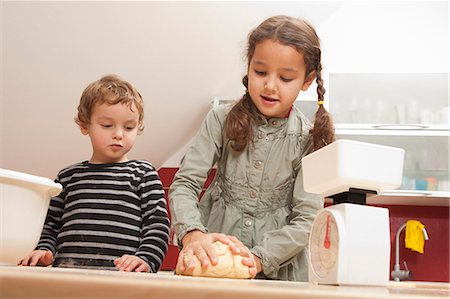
[408,198]
[422,193]
[393,129]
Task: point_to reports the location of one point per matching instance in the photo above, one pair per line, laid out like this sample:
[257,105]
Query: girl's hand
[37,258]
[198,245]
[129,263]
[250,260]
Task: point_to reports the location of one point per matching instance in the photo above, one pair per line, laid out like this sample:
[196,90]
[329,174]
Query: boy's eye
[129,128]
[260,73]
[106,125]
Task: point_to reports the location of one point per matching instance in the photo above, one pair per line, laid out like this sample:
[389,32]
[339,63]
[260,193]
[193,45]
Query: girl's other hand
[129,263]
[197,244]
[250,260]
[37,258]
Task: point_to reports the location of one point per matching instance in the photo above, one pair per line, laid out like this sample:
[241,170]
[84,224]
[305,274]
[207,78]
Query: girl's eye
[129,128]
[286,79]
[260,73]
[106,126]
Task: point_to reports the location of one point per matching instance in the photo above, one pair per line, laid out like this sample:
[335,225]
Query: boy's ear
[84,129]
[309,80]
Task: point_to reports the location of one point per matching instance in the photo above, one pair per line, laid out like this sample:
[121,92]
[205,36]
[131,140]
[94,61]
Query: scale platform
[354,167]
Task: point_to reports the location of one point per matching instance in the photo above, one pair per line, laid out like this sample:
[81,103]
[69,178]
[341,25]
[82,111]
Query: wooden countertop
[49,283]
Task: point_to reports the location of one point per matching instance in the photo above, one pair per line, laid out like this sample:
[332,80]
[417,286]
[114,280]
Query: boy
[111,211]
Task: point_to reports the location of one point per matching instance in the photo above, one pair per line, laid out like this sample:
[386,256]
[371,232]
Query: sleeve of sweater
[155,221]
[53,223]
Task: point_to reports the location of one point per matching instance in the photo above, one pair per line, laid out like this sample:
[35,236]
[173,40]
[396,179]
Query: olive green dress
[257,195]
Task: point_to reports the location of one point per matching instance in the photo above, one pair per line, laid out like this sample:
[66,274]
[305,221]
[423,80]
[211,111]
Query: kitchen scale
[349,242]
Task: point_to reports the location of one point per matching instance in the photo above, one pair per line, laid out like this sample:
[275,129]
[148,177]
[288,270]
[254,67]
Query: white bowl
[24,200]
[346,164]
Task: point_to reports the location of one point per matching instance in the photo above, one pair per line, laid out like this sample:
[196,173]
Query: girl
[257,202]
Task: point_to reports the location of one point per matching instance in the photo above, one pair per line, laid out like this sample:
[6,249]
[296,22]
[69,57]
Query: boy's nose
[118,134]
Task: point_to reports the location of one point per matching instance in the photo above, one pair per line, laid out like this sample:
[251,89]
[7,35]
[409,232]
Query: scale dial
[324,244]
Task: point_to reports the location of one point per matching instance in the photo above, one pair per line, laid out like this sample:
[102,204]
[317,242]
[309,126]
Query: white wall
[179,55]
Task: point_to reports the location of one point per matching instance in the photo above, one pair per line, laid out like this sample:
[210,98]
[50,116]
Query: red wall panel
[433,264]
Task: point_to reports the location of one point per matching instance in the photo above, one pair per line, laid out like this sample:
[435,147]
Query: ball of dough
[228,266]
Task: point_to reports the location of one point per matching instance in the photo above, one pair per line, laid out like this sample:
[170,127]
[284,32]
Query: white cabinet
[410,111]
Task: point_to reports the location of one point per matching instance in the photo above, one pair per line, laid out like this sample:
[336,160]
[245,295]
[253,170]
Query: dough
[228,266]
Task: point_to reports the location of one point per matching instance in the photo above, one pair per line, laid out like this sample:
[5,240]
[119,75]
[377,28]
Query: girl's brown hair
[301,35]
[110,89]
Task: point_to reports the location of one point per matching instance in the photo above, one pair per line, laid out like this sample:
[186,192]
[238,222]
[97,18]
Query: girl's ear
[309,80]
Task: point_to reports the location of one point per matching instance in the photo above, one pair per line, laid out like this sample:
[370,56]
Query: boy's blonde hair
[110,89]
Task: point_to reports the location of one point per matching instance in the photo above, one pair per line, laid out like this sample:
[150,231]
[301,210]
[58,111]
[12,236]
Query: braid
[323,130]
[319,80]
[239,121]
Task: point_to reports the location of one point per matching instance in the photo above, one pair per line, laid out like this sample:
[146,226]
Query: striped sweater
[105,211]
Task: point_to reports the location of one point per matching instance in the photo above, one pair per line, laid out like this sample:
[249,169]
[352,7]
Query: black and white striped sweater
[106,211]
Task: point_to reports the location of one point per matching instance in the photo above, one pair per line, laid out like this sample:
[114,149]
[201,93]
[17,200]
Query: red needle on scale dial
[326,242]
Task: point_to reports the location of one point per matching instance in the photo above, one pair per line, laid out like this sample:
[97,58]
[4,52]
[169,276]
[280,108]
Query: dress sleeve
[188,183]
[53,223]
[280,246]
[155,226]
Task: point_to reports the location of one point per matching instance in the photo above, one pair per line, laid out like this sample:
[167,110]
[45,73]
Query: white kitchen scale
[349,242]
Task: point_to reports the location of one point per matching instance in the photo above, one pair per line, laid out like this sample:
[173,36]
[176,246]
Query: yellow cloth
[414,237]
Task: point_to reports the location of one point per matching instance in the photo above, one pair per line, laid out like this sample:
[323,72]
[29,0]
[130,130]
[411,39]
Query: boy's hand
[129,263]
[37,258]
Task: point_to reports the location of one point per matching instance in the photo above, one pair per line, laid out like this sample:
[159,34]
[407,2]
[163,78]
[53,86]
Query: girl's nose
[270,86]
